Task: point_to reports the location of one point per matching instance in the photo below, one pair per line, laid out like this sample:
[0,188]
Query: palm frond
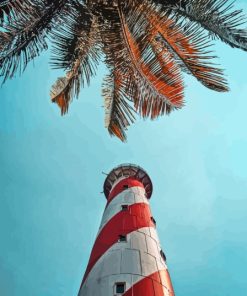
[61,93]
[188,47]
[218,17]
[118,112]
[147,45]
[23,39]
[157,74]
[76,50]
[13,9]
[129,81]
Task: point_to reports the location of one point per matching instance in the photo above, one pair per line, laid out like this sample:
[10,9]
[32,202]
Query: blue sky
[51,181]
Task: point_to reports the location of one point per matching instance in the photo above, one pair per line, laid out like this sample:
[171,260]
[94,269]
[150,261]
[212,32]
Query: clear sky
[51,181]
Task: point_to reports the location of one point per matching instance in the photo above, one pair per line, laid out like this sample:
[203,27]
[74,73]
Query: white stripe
[127,197]
[125,262]
[118,181]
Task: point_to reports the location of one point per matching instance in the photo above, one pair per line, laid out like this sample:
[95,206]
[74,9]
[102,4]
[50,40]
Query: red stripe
[137,216]
[130,182]
[152,285]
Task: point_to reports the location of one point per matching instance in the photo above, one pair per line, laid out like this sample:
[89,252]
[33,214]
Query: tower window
[122,238]
[124,207]
[125,186]
[119,288]
[153,220]
[162,254]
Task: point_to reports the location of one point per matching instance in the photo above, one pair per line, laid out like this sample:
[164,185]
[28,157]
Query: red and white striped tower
[126,258]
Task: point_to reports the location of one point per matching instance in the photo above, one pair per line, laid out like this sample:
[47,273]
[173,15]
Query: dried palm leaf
[189,47]
[76,49]
[118,112]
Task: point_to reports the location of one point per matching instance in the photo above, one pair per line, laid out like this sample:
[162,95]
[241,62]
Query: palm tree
[146,44]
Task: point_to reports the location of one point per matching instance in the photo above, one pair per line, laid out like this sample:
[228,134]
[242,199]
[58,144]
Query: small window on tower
[122,238]
[153,220]
[125,186]
[119,288]
[124,207]
[162,254]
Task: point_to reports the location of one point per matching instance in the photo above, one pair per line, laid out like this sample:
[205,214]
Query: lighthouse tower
[127,258]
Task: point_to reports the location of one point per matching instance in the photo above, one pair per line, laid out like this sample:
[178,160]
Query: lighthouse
[127,258]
